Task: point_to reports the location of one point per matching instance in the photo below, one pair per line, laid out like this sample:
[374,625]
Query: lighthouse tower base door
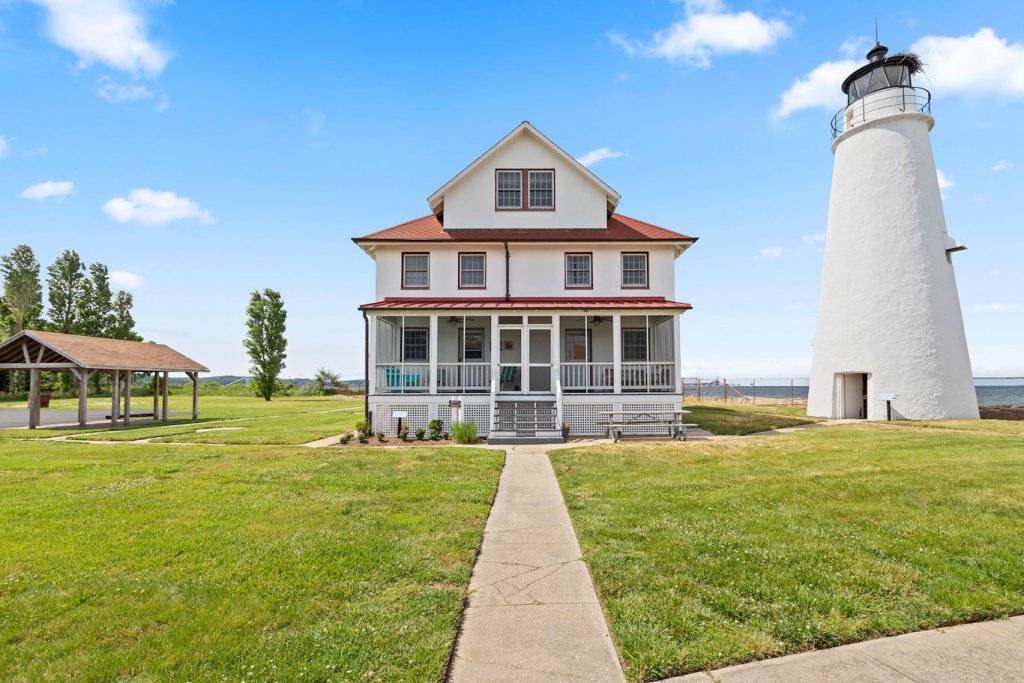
[850,400]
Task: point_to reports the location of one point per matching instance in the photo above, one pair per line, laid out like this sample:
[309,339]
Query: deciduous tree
[264,340]
[64,282]
[23,293]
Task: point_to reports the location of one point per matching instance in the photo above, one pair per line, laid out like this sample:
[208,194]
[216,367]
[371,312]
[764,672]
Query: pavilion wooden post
[83,396]
[164,406]
[33,398]
[195,394]
[127,397]
[156,395]
[115,397]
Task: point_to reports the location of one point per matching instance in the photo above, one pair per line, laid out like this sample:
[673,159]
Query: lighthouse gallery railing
[887,100]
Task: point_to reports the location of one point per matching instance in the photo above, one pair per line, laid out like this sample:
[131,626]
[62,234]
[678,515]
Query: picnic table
[671,420]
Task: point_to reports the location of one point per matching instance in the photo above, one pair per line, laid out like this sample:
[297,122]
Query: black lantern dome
[881,72]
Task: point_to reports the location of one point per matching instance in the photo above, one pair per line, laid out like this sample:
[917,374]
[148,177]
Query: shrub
[404,434]
[444,435]
[345,438]
[464,432]
[436,425]
[380,437]
[361,438]
[363,427]
[420,433]
[434,436]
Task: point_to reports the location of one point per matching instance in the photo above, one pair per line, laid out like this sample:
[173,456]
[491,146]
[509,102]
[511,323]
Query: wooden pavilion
[83,357]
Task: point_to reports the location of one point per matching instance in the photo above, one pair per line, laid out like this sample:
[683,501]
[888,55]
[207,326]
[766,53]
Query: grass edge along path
[206,562]
[712,554]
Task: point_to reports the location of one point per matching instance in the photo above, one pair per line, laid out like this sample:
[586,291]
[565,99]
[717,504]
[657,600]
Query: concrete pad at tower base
[991,651]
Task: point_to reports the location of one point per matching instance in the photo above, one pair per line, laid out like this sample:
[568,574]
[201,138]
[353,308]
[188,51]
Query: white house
[522,302]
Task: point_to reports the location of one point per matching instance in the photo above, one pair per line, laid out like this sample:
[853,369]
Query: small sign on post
[454,403]
[399,415]
[888,397]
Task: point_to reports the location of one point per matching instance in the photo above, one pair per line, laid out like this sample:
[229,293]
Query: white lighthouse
[889,323]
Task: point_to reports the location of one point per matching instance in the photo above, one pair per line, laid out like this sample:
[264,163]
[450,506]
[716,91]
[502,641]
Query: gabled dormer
[525,181]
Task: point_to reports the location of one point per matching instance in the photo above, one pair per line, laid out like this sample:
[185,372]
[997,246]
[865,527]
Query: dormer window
[539,194]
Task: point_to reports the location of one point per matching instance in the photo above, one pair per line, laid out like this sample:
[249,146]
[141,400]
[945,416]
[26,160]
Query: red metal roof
[524,303]
[620,229]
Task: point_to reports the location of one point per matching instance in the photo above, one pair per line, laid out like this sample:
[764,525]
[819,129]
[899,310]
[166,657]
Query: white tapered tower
[889,318]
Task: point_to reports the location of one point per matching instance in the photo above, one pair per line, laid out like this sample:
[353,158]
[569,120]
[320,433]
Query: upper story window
[415,271]
[509,192]
[542,189]
[472,271]
[634,270]
[578,271]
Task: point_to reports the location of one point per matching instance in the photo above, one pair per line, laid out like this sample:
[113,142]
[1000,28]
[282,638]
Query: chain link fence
[995,394]
[790,391]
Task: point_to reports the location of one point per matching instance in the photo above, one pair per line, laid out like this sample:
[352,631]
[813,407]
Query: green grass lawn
[156,562]
[710,554]
[743,419]
[292,429]
[211,408]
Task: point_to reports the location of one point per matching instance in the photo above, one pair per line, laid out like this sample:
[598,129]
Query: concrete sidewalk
[533,614]
[990,651]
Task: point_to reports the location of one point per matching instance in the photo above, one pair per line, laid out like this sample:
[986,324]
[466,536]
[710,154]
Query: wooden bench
[671,420]
[678,430]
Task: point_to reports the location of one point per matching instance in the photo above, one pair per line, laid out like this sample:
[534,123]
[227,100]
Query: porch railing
[587,377]
[459,377]
[403,378]
[648,377]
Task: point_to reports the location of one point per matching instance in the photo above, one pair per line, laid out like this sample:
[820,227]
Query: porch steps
[525,422]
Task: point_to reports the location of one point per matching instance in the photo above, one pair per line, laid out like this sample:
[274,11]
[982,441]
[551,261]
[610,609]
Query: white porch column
[524,358]
[495,352]
[617,352]
[432,353]
[676,354]
[556,355]
[371,366]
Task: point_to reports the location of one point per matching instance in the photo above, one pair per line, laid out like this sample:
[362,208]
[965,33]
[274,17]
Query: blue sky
[215,148]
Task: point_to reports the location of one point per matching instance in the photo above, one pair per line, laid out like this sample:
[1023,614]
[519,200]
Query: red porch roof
[619,229]
[524,303]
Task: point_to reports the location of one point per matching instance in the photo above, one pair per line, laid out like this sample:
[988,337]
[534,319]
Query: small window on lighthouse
[898,75]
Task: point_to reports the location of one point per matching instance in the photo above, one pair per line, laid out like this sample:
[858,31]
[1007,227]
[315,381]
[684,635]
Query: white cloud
[115,92]
[112,32]
[852,48]
[599,154]
[945,182]
[708,30]
[816,237]
[994,308]
[822,87]
[5,147]
[150,207]
[126,280]
[973,65]
[979,198]
[1002,165]
[772,252]
[41,151]
[43,191]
